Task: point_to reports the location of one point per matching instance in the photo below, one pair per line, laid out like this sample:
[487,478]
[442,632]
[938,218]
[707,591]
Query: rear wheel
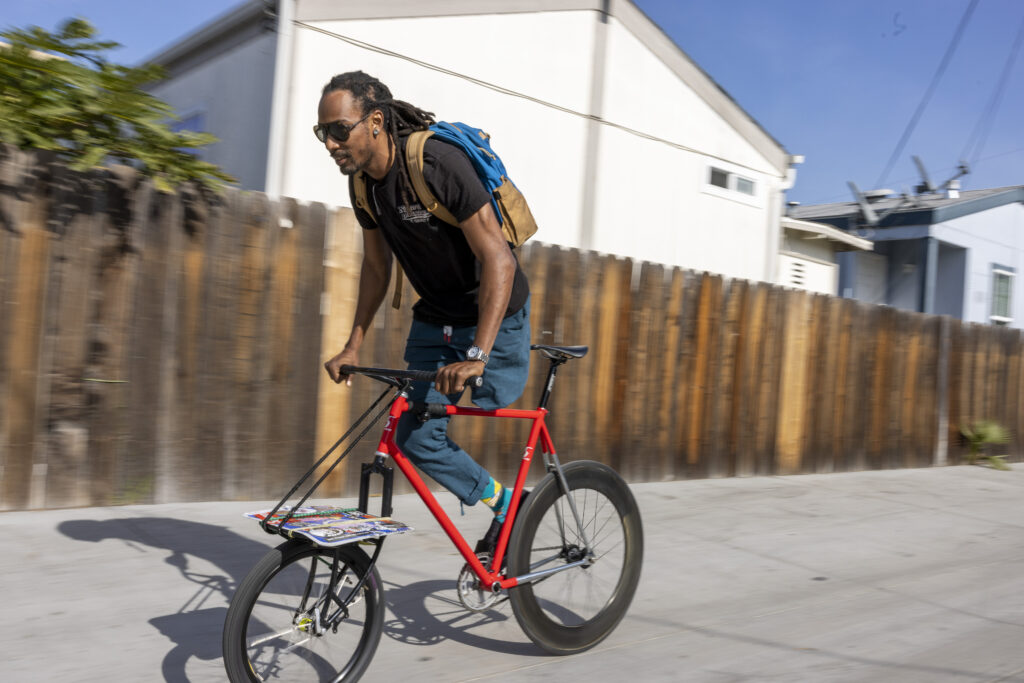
[275,627]
[575,609]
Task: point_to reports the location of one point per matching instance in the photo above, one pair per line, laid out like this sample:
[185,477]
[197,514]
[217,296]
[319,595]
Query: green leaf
[58,91]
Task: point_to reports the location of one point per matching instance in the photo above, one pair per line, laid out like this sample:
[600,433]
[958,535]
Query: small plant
[980,436]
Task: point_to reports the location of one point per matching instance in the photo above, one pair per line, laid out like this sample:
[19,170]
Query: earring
[376,132]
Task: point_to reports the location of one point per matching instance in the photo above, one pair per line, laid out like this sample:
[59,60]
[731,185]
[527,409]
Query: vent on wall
[797,274]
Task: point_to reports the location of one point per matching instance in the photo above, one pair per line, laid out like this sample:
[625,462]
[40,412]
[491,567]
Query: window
[731,181]
[719,178]
[1002,290]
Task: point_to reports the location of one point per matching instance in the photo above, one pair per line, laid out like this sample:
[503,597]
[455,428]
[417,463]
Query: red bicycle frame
[539,431]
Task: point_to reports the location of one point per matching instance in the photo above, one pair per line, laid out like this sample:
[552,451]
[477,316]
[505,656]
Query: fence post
[941,457]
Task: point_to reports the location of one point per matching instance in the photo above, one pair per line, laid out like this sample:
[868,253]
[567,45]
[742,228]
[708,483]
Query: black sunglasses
[336,129]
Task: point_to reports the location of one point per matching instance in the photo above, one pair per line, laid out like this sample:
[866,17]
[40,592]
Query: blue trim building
[949,253]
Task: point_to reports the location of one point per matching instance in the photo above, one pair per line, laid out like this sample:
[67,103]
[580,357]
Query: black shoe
[489,542]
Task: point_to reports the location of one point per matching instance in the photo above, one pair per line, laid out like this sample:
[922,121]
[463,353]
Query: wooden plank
[670,387]
[145,272]
[104,374]
[1013,394]
[699,387]
[169,460]
[205,286]
[722,454]
[685,373]
[829,348]
[909,435]
[29,252]
[336,411]
[251,362]
[604,352]
[928,409]
[793,395]
[310,225]
[817,389]
[570,384]
[878,394]
[622,367]
[770,377]
[957,393]
[62,402]
[845,382]
[752,323]
[586,370]
[895,354]
[644,370]
[1018,423]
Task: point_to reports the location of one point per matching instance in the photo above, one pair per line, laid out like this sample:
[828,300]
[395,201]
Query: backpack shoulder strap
[360,199]
[359,195]
[414,162]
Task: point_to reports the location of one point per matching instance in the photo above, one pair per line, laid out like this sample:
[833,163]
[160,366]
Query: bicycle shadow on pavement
[427,613]
[195,627]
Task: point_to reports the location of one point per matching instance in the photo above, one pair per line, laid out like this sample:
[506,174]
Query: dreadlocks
[400,118]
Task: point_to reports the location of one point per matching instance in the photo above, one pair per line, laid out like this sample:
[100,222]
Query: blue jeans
[426,443]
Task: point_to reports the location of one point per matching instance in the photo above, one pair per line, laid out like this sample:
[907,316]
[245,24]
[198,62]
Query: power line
[513,93]
[987,118]
[928,93]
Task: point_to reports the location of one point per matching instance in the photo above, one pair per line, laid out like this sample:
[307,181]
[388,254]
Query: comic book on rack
[328,525]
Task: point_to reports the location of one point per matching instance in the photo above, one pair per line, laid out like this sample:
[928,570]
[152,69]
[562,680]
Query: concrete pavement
[903,575]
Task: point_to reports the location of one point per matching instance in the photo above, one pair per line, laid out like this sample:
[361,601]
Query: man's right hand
[333,366]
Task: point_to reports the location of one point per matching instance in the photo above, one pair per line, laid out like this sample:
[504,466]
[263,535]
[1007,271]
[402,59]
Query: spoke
[534,566]
[291,647]
[270,636]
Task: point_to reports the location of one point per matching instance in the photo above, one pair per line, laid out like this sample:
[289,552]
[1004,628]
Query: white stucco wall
[670,213]
[992,237]
[652,201]
[233,92]
[541,147]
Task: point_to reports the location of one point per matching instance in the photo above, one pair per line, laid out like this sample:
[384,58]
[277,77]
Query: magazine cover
[330,526]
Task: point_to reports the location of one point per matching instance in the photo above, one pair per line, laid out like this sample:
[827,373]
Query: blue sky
[834,80]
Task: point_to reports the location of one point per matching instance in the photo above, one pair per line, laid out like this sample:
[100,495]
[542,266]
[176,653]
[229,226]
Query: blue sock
[497,497]
[489,491]
[502,507]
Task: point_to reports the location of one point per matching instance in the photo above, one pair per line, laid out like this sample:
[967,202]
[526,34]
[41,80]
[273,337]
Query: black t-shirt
[435,255]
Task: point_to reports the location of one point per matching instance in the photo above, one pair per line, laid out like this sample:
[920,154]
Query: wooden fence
[160,348]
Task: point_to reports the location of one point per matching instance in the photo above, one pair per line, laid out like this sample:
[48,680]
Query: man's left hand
[451,379]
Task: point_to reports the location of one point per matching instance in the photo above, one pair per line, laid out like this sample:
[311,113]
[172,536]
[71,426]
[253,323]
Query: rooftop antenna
[926,185]
[962,169]
[870,217]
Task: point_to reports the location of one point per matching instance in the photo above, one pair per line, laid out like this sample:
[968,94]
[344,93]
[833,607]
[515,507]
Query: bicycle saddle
[561,352]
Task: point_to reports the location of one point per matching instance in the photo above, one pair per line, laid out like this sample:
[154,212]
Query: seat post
[552,371]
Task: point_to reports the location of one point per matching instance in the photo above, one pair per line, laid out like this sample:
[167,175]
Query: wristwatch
[475,353]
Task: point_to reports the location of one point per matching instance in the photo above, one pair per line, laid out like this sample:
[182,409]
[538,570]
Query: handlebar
[386,374]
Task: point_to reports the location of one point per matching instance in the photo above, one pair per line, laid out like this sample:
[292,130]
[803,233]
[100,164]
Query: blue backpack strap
[476,145]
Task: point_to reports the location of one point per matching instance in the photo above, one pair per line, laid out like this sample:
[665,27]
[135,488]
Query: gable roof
[248,20]
[925,209]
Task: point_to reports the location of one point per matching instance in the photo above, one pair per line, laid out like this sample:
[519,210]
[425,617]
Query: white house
[808,258]
[620,142]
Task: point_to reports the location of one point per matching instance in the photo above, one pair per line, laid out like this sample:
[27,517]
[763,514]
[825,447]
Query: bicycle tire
[268,636]
[576,609]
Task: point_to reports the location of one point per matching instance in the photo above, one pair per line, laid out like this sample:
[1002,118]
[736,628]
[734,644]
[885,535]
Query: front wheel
[289,621]
[575,609]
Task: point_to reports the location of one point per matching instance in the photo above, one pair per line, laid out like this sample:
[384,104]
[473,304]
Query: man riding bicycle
[472,318]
